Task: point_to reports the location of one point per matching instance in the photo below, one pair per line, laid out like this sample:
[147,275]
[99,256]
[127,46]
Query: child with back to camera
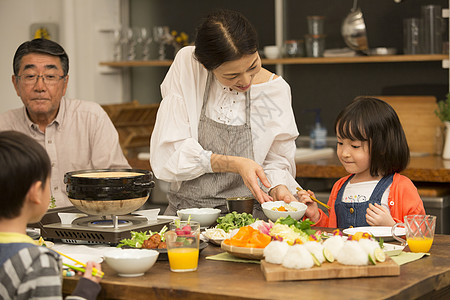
[372,147]
[28,271]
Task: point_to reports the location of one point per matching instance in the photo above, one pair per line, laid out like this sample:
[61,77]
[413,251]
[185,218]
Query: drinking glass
[182,241]
[129,41]
[162,36]
[433,28]
[419,232]
[412,36]
[145,39]
[117,40]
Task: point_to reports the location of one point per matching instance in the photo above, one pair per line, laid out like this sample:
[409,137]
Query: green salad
[234,220]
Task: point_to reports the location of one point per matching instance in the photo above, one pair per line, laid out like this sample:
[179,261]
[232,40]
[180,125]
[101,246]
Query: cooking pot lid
[110,177]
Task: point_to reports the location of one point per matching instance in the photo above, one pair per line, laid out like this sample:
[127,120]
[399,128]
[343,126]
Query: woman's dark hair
[225,35]
[23,162]
[373,120]
[42,46]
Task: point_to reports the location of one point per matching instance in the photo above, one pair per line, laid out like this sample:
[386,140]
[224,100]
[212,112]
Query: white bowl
[271,52]
[205,216]
[131,262]
[150,214]
[275,215]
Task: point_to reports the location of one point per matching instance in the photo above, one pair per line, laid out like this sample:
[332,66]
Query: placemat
[406,257]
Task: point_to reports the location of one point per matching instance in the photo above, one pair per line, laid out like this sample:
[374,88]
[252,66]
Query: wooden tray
[274,272]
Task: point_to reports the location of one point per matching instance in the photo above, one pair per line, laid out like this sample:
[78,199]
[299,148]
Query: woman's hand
[281,193]
[249,170]
[378,215]
[88,274]
[312,212]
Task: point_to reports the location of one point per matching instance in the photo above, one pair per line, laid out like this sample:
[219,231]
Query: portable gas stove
[100,229]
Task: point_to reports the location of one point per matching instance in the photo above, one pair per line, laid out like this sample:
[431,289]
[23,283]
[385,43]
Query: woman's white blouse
[176,155]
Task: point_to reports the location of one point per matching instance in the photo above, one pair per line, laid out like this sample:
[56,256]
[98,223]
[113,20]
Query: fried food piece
[162,245]
[155,238]
[148,244]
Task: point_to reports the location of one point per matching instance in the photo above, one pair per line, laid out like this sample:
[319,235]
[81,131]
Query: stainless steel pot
[109,191]
[353,30]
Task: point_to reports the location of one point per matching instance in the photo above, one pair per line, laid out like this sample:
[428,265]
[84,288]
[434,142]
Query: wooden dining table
[426,278]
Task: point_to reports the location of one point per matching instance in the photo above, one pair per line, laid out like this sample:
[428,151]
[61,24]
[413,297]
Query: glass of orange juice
[182,245]
[419,232]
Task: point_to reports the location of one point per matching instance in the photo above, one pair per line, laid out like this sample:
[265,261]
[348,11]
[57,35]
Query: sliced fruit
[380,255]
[372,260]
[315,260]
[328,255]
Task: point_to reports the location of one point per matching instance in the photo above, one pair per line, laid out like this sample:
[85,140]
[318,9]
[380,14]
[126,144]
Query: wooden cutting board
[419,121]
[274,272]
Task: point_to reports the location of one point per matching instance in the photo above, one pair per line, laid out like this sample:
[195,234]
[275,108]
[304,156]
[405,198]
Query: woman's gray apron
[354,214]
[211,189]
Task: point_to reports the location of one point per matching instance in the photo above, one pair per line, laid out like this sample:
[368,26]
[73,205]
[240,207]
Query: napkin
[406,257]
[225,256]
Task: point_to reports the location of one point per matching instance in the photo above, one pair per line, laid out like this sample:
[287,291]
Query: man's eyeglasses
[49,79]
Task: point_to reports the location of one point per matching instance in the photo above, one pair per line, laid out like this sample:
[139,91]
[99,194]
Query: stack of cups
[315,39]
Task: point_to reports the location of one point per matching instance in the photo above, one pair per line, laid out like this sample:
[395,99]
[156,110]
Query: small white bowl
[150,214]
[274,215]
[131,262]
[271,52]
[67,218]
[205,216]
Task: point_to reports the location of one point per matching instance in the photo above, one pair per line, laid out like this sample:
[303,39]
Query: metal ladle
[353,30]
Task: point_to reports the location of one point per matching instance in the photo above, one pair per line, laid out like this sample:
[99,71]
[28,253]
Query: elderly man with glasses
[76,134]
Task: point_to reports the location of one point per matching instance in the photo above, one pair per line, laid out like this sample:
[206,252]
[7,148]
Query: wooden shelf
[300,60]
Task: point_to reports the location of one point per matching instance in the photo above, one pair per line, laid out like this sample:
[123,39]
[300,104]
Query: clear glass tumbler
[433,25]
[412,36]
[419,232]
[182,245]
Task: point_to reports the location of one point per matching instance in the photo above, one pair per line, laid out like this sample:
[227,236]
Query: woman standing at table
[225,127]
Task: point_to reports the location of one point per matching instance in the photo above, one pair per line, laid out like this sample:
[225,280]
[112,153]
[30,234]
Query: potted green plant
[443,113]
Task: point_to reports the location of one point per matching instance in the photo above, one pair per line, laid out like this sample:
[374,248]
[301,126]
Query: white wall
[82,33]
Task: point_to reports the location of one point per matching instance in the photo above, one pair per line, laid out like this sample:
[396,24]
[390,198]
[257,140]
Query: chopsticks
[79,269]
[95,272]
[314,199]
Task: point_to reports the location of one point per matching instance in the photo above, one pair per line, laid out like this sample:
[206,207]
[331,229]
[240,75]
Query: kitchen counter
[425,169]
[422,169]
[428,277]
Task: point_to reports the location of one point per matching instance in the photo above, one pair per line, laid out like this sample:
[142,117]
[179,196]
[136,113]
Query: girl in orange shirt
[372,147]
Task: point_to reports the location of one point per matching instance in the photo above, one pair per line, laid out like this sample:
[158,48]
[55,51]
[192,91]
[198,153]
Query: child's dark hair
[225,35]
[23,162]
[373,120]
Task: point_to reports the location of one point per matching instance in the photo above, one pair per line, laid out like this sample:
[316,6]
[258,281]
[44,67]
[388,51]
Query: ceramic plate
[81,258]
[214,241]
[244,252]
[392,249]
[376,231]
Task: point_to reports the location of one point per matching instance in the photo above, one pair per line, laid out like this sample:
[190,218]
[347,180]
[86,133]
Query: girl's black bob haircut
[375,121]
